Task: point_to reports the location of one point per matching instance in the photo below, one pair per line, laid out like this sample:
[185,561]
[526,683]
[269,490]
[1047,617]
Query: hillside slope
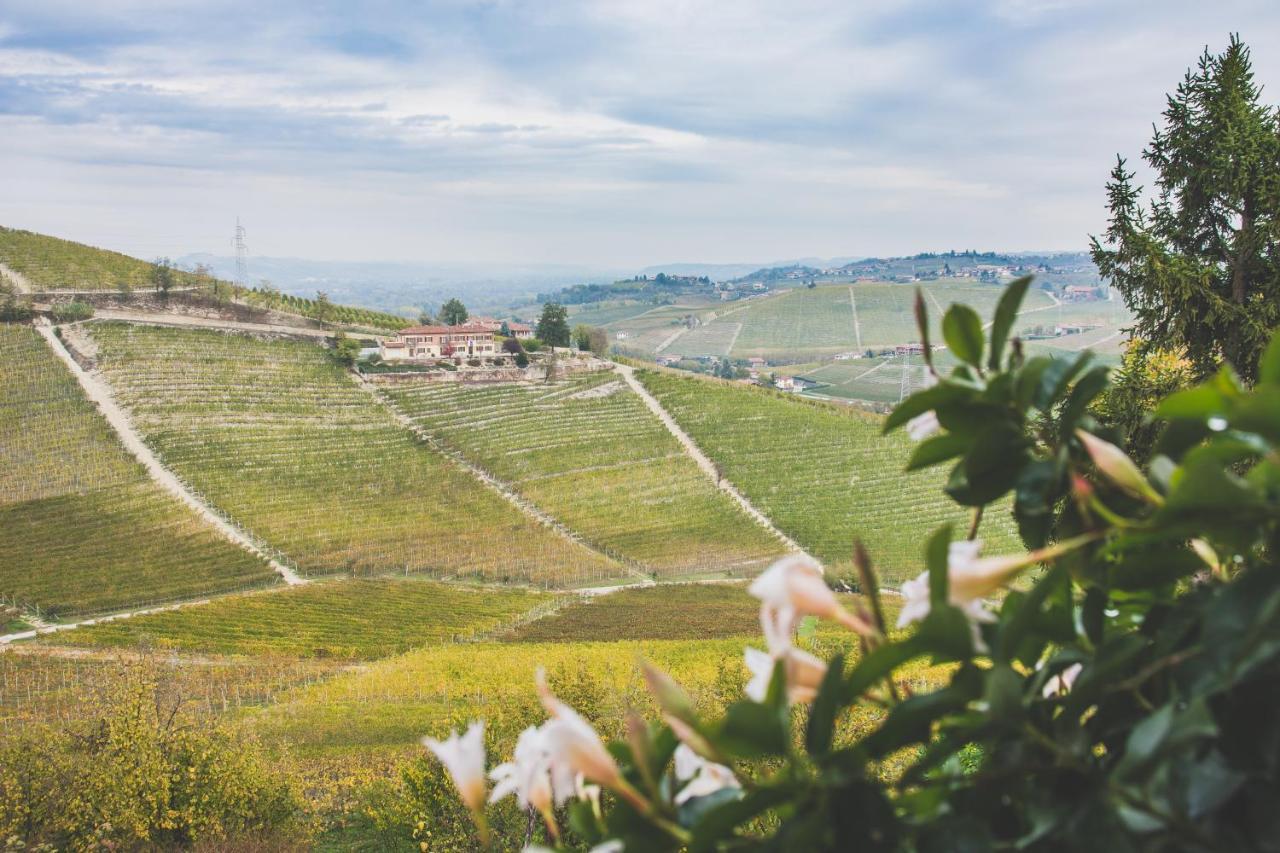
[282,440]
[587,451]
[82,527]
[823,475]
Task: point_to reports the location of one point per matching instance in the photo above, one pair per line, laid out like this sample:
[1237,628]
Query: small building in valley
[468,340]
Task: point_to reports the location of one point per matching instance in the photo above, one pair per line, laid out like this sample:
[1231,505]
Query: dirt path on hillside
[99,393]
[857,327]
[17,279]
[40,630]
[504,489]
[150,318]
[670,339]
[704,462]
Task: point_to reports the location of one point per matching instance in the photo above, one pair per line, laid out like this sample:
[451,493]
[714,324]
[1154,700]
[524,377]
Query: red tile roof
[464,329]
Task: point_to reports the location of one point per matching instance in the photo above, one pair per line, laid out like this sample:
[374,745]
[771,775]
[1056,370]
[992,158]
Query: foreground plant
[1111,687]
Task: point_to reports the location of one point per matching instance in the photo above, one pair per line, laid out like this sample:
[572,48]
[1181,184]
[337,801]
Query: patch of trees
[1199,265]
[553,325]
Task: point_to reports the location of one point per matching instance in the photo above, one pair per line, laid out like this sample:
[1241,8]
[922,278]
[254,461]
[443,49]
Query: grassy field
[824,475]
[590,453]
[360,618]
[82,527]
[284,442]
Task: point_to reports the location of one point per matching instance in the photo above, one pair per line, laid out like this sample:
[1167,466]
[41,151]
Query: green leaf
[945,634]
[962,330]
[1056,378]
[1006,312]
[822,714]
[1082,394]
[936,552]
[751,730]
[923,401]
[719,823]
[938,449]
[994,463]
[878,664]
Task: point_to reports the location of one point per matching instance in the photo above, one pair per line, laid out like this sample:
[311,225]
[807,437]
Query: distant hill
[661,283]
[1057,268]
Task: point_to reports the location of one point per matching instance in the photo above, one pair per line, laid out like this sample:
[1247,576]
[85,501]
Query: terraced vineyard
[359,618]
[823,475]
[283,441]
[82,527]
[590,453]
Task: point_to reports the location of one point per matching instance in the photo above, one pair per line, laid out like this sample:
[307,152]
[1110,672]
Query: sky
[603,133]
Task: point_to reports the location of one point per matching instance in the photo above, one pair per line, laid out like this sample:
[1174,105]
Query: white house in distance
[428,342]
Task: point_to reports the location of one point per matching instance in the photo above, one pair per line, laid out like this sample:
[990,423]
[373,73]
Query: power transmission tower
[242,256]
[904,390]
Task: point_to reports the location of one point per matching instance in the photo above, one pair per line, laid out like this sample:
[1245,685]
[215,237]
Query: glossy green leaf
[962,330]
[1006,313]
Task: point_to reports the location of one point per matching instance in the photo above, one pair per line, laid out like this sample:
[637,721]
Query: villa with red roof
[469,340]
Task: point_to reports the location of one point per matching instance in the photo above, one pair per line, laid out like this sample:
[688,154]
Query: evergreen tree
[1200,268]
[454,313]
[553,325]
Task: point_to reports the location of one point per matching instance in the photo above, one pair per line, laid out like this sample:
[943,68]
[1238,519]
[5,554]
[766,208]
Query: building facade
[429,342]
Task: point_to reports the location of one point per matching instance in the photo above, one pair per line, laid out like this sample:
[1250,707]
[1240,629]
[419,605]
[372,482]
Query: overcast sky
[608,133]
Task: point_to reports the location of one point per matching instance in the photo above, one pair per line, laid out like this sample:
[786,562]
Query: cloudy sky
[611,133]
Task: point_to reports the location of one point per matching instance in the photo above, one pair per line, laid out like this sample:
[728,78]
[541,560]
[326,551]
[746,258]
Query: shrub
[71,312]
[139,773]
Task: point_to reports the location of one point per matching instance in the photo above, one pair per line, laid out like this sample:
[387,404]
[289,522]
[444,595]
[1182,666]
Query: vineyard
[326,312]
[590,453]
[666,612]
[807,323]
[281,440]
[823,475]
[682,611]
[359,618]
[53,264]
[73,504]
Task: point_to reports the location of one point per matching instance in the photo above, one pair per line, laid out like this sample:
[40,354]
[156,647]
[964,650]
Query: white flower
[702,777]
[1061,683]
[793,587]
[463,757]
[760,665]
[527,775]
[574,745]
[924,425]
[804,672]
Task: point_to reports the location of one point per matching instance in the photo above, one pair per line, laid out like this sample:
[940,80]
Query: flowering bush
[1112,687]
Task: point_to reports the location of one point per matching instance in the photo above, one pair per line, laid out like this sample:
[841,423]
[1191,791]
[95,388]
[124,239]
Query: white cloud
[629,131]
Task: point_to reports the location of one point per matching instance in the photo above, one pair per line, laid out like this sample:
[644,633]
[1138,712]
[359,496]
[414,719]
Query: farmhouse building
[515,327]
[425,342]
[1079,293]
